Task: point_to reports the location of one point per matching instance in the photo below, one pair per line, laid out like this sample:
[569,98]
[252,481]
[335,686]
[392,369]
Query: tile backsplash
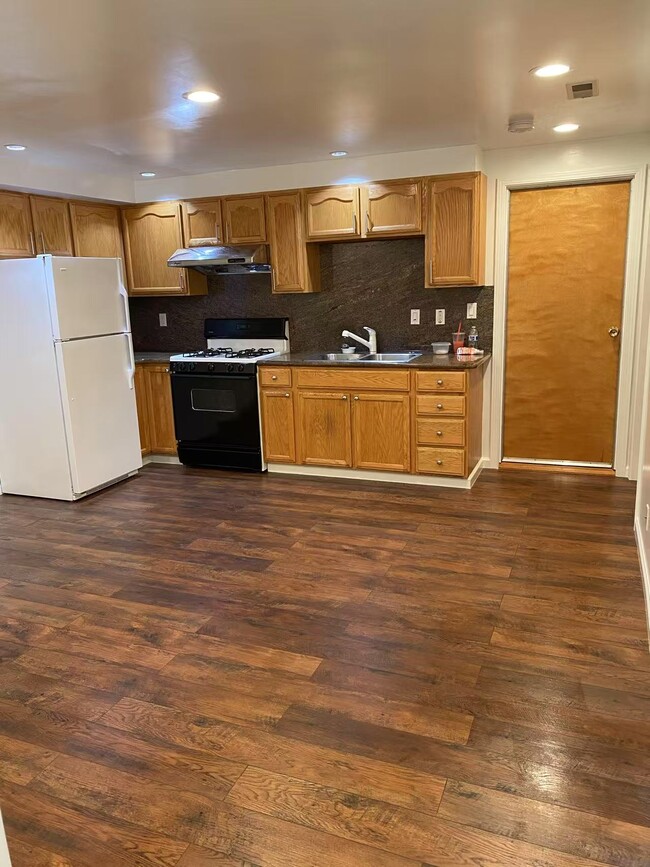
[374,283]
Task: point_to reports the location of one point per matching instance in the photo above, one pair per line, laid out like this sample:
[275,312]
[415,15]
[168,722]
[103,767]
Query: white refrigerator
[68,419]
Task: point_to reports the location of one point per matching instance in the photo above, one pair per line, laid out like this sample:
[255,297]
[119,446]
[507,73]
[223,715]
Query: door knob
[613,332]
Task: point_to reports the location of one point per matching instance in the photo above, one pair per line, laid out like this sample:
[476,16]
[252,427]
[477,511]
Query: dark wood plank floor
[204,669]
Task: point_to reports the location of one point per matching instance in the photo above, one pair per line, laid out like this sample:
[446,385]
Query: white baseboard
[380,476]
[160,459]
[645,570]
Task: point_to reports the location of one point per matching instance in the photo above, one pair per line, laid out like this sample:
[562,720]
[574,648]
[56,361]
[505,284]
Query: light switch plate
[162,320]
[471,310]
[415,317]
[440,316]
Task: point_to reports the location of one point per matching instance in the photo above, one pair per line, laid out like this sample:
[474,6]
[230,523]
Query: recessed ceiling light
[147,174]
[338,153]
[551,70]
[15,147]
[566,127]
[202,96]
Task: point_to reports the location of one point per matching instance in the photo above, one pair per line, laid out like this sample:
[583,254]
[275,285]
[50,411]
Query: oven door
[216,411]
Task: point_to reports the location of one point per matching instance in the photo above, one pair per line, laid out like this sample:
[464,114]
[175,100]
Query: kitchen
[282,584]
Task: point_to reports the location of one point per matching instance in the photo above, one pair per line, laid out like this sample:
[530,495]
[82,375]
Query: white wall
[25,171]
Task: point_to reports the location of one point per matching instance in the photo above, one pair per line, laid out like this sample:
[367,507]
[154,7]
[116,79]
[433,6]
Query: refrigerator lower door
[96,379]
[87,297]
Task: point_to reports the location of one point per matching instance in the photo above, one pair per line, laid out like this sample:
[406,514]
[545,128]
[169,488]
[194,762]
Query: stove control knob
[240,367]
[230,368]
[191,365]
[178,366]
[210,366]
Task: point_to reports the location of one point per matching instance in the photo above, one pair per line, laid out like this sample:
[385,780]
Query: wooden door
[565,288]
[151,234]
[142,404]
[381,431]
[202,224]
[244,218]
[393,208]
[52,226]
[455,233]
[16,233]
[296,268]
[96,230]
[324,430]
[278,425]
[332,212]
[161,414]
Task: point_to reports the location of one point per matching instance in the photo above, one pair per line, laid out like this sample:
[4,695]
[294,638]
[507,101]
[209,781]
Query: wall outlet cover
[440,316]
[415,317]
[162,320]
[471,310]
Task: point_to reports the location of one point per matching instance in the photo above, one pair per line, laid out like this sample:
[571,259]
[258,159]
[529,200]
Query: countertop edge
[427,361]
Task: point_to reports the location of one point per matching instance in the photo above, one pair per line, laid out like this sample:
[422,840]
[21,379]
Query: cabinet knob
[274,377]
[438,433]
[356,397]
[166,370]
[439,406]
[441,382]
[439,463]
[344,397]
[286,394]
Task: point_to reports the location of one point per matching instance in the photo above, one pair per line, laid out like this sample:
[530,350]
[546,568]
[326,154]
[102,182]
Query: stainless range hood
[223,260]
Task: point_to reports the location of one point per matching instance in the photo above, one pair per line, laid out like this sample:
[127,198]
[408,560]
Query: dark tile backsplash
[373,283]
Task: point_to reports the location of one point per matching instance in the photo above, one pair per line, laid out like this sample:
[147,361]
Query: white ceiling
[97,84]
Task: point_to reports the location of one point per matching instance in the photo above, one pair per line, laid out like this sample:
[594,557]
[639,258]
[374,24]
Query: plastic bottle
[472,339]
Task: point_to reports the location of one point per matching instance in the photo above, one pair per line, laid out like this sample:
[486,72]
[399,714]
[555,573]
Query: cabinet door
[52,226]
[455,237]
[278,426]
[244,218]
[393,208]
[96,230]
[380,422]
[151,234]
[324,430]
[332,213]
[202,223]
[161,415]
[142,404]
[16,234]
[295,268]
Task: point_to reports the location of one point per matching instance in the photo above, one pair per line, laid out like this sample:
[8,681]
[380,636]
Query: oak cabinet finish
[324,428]
[155,410]
[381,425]
[278,427]
[392,208]
[52,226]
[441,462]
[244,219]
[455,232]
[439,404]
[275,376]
[352,378]
[296,266]
[16,232]
[440,381]
[439,432]
[202,223]
[96,230]
[333,213]
[142,404]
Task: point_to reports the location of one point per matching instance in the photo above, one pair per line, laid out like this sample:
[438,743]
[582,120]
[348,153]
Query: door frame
[634,327]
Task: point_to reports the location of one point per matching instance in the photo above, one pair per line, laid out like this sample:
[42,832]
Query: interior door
[565,289]
[96,377]
[87,298]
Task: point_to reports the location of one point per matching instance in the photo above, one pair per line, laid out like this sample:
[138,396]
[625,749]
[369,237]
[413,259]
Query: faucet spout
[370,343]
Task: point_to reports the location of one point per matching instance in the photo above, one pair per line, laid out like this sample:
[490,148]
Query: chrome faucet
[371,342]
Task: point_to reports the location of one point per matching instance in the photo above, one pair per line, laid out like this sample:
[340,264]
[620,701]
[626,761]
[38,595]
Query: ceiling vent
[582,90]
[521,123]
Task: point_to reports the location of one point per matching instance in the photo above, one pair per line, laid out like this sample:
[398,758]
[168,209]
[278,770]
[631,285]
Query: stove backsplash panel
[374,283]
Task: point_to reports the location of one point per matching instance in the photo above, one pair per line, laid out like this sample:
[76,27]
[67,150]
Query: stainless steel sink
[339,356]
[392,357]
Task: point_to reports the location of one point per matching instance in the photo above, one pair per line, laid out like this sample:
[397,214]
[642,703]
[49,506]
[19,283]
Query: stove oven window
[213,400]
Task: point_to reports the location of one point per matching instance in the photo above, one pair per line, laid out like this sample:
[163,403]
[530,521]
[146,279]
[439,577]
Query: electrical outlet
[471,310]
[647,516]
[415,317]
[440,316]
[162,320]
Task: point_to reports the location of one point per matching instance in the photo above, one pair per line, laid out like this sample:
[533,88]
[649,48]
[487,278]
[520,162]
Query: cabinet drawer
[440,432]
[428,380]
[352,379]
[439,404]
[444,462]
[275,375]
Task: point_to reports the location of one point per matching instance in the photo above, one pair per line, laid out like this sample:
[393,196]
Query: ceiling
[97,84]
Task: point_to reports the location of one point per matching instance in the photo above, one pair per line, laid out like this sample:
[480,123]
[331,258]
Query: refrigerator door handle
[125,303]
[131,361]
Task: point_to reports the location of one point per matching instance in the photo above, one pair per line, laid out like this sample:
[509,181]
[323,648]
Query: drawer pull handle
[441,382]
[439,406]
[274,377]
[439,462]
[438,433]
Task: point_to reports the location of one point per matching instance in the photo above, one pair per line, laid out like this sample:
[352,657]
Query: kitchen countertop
[153,357]
[426,361]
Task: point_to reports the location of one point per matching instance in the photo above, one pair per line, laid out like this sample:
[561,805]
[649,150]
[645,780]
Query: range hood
[223,260]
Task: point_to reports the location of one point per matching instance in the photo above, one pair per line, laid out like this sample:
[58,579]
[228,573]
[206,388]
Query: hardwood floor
[204,669]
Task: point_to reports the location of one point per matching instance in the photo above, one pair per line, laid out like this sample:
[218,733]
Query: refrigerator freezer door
[87,297]
[96,377]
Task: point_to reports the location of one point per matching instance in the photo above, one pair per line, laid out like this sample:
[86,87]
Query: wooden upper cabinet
[392,208]
[332,212]
[296,267]
[381,426]
[324,428]
[455,232]
[202,224]
[52,226]
[16,234]
[244,220]
[96,230]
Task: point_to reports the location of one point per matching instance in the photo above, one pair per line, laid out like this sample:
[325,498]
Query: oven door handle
[214,376]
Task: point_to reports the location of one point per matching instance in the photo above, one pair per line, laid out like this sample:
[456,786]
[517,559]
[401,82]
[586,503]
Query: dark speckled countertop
[153,357]
[426,361]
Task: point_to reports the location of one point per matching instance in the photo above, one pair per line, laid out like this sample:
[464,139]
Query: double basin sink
[370,358]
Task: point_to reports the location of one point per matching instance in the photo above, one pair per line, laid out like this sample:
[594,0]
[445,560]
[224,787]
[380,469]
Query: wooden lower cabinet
[155,411]
[380,426]
[324,428]
[278,428]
